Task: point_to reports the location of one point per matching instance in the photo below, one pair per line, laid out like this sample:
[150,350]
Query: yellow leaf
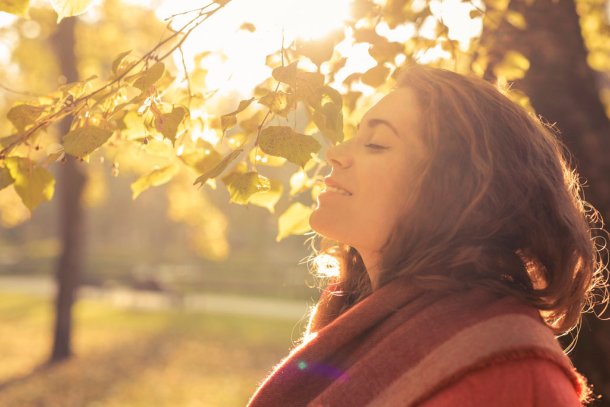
[277,102]
[168,123]
[116,64]
[34,184]
[202,162]
[157,177]
[284,142]
[17,7]
[386,51]
[248,27]
[5,178]
[69,8]
[329,120]
[23,115]
[513,66]
[516,19]
[294,221]
[85,140]
[242,186]
[475,13]
[217,169]
[230,119]
[149,77]
[268,199]
[320,50]
[286,74]
[375,76]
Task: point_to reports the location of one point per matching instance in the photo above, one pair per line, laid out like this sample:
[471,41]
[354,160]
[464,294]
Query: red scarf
[401,345]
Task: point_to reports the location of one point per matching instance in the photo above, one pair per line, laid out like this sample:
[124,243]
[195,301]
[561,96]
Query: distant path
[128,298]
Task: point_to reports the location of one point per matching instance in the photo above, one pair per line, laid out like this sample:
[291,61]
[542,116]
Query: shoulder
[524,382]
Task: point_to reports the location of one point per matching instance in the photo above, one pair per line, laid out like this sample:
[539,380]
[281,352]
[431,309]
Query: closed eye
[376,146]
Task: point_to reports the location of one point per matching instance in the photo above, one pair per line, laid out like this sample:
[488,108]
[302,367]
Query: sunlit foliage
[159,108]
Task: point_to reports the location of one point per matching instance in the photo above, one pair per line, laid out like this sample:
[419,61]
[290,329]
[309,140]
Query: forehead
[398,107]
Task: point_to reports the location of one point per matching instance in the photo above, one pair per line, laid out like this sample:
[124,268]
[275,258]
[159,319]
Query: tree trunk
[71,182]
[563,89]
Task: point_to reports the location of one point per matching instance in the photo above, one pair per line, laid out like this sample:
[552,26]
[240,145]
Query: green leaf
[375,76]
[23,115]
[294,221]
[117,61]
[83,141]
[217,169]
[282,141]
[329,120]
[5,178]
[242,186]
[149,77]
[17,7]
[168,123]
[155,178]
[34,184]
[69,8]
[268,199]
[230,119]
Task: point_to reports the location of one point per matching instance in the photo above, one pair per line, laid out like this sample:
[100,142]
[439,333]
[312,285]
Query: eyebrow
[376,122]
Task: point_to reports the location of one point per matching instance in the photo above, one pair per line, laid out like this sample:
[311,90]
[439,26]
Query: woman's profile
[463,247]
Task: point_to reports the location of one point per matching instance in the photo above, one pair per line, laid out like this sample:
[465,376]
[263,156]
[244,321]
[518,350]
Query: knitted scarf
[401,345]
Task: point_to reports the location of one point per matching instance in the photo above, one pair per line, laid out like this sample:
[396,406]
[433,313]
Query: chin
[325,224]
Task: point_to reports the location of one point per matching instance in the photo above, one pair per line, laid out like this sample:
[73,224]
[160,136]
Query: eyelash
[376,146]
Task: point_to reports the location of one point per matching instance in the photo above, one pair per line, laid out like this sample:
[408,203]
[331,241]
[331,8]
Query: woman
[464,247]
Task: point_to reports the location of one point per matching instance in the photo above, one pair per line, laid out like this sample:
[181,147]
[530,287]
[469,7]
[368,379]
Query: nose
[339,155]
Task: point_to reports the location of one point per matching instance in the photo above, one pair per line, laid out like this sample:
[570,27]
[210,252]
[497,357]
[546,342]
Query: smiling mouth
[338,190]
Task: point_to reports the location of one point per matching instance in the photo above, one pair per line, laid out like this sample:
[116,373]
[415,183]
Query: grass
[136,358]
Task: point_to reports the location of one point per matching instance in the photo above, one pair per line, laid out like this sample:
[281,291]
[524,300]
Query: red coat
[526,382]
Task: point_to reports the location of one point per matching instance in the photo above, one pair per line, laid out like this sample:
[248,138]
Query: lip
[331,182]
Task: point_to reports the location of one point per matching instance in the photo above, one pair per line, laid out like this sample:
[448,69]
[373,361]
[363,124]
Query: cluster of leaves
[63,8]
[140,106]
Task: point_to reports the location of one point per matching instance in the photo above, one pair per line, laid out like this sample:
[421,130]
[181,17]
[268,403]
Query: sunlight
[455,14]
[245,51]
[313,18]
[326,265]
[238,63]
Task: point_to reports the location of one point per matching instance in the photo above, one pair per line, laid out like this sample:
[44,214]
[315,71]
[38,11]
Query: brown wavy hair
[495,204]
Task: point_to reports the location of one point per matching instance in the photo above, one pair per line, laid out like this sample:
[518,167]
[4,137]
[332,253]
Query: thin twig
[186,75]
[200,9]
[19,92]
[196,21]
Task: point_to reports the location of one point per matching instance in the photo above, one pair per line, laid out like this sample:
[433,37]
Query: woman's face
[373,171]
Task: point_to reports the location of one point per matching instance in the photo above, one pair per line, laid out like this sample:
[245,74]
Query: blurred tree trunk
[71,182]
[563,89]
